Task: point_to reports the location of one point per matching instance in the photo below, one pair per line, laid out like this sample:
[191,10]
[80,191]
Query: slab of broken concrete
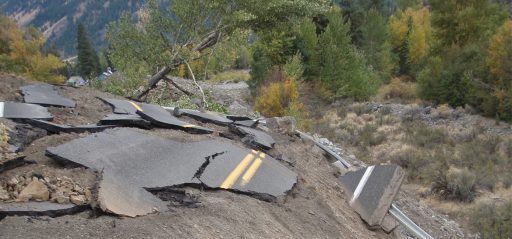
[44,94]
[11,110]
[131,161]
[371,190]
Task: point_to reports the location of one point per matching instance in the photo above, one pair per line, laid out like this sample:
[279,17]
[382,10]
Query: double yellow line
[256,158]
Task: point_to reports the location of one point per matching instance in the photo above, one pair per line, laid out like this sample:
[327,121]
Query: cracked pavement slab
[39,209]
[131,160]
[11,110]
[125,120]
[371,190]
[203,116]
[254,137]
[154,114]
[44,94]
[160,117]
[120,106]
[58,128]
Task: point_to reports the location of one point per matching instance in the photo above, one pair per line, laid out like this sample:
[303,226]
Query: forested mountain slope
[58,19]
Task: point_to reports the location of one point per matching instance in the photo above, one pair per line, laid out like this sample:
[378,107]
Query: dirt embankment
[315,208]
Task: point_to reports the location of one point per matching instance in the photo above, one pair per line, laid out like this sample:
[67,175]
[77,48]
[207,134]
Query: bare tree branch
[205,104]
[177,86]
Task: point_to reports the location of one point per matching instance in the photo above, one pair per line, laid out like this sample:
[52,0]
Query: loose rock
[35,190]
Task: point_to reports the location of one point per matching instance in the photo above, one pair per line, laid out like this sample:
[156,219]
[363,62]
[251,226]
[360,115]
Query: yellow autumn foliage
[412,27]
[20,52]
[276,98]
[499,58]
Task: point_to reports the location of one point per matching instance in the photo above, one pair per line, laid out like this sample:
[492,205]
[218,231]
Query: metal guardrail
[408,223]
[394,211]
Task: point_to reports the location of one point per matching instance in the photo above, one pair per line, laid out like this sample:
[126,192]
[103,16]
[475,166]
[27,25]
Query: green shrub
[492,221]
[459,185]
[368,136]
[424,136]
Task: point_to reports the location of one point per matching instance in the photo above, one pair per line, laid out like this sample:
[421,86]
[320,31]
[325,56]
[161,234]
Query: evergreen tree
[88,60]
[374,43]
[343,68]
[307,43]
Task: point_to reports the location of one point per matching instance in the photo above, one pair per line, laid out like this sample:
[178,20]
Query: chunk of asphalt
[8,164]
[39,209]
[150,162]
[248,123]
[125,120]
[58,128]
[207,117]
[371,190]
[253,137]
[238,117]
[120,106]
[160,117]
[119,196]
[23,111]
[44,94]
[24,135]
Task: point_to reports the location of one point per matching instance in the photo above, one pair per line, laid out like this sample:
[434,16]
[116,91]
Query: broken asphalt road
[372,190]
[254,137]
[120,106]
[39,209]
[43,94]
[58,128]
[160,117]
[125,120]
[23,111]
[203,116]
[155,114]
[131,160]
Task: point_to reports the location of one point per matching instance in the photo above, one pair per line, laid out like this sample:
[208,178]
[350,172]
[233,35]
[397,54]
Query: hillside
[58,19]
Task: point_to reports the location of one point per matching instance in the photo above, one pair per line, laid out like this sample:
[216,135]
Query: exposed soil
[314,208]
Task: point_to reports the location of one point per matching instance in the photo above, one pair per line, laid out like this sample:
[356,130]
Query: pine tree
[344,72]
[88,60]
[374,43]
[307,42]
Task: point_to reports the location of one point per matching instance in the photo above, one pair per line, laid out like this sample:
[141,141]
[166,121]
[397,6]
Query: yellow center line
[136,106]
[235,174]
[250,172]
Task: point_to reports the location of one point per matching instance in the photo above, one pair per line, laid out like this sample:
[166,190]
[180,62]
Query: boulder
[283,125]
[35,190]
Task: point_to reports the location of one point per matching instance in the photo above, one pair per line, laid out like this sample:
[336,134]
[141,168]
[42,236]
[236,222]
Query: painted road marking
[188,126]
[250,172]
[136,106]
[235,174]
[361,184]
[1,109]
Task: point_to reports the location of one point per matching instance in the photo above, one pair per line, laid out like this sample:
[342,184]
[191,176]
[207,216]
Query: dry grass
[4,136]
[453,161]
[398,91]
[234,75]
